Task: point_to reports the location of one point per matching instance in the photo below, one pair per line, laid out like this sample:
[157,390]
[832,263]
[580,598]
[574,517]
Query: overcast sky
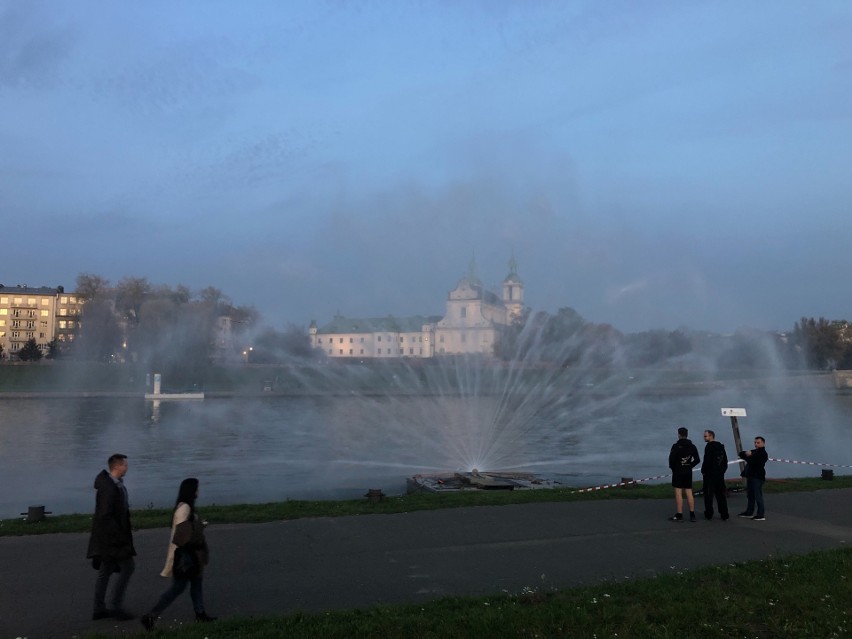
[649,164]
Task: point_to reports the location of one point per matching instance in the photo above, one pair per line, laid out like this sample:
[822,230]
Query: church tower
[513,292]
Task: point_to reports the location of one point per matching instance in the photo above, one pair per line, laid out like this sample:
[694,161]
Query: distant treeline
[568,339]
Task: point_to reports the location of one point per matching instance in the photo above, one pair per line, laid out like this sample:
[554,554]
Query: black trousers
[714,486]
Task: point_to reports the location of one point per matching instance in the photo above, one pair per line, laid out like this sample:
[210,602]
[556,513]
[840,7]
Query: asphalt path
[330,563]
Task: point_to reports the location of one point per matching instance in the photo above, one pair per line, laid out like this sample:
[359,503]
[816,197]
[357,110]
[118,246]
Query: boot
[203,617]
[148,621]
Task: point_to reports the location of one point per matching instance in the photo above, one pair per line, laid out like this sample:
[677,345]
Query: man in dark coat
[683,457]
[713,470]
[755,475]
[111,543]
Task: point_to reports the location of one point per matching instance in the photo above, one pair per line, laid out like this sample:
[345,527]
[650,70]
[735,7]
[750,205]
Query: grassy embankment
[295,509]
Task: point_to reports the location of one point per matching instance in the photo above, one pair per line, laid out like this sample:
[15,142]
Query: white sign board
[733,412]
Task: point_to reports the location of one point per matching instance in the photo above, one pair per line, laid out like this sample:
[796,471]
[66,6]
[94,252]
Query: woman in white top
[186,557]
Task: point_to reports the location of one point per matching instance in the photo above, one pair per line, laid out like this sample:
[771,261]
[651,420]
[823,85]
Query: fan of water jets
[468,412]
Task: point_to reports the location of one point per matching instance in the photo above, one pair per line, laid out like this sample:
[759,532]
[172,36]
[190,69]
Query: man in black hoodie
[713,470]
[682,459]
[111,543]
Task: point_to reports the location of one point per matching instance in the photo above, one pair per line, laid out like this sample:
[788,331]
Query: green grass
[295,509]
[793,597]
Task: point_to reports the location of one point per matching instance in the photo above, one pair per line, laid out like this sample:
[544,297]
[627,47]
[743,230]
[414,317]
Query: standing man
[755,474]
[111,543]
[682,459]
[713,470]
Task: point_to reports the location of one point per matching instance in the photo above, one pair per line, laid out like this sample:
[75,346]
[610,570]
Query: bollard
[35,513]
[627,482]
[374,495]
[828,474]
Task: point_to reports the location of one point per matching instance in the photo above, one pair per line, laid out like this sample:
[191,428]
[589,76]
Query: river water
[274,448]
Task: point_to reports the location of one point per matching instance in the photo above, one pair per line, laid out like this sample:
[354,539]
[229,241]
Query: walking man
[683,457]
[755,475]
[111,543]
[713,470]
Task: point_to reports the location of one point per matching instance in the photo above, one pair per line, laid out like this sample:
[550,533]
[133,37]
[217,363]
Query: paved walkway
[348,562]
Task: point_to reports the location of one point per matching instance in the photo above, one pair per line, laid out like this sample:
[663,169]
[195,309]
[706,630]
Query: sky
[648,164]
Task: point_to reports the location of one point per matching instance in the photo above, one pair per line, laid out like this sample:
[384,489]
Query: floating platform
[171,396]
[476,480]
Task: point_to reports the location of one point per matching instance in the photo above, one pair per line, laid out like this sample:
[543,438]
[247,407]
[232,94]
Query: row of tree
[160,326]
[565,338]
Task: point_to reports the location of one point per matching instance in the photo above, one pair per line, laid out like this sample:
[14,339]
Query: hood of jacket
[103,480]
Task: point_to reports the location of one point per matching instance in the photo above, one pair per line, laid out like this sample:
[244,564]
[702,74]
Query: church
[472,324]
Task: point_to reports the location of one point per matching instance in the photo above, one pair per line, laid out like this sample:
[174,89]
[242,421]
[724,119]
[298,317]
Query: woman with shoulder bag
[187,555]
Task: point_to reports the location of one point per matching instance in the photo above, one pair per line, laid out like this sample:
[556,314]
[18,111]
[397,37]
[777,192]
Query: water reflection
[256,450]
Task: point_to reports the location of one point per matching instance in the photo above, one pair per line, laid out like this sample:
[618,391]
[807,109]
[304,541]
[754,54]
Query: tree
[100,336]
[30,352]
[52,349]
[130,294]
[822,342]
[91,287]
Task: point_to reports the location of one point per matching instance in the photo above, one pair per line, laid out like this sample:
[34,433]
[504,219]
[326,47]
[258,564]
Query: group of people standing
[683,457]
[111,547]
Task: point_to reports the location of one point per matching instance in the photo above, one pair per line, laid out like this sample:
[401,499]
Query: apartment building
[39,313]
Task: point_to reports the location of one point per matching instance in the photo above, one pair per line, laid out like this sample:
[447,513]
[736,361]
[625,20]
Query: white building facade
[472,324]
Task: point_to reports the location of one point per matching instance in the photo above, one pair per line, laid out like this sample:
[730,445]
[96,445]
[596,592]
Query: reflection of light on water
[155,411]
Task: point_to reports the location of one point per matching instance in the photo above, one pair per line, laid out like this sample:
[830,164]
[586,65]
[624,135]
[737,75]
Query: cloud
[32,48]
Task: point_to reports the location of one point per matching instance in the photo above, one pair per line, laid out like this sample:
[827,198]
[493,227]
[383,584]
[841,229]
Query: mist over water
[338,446]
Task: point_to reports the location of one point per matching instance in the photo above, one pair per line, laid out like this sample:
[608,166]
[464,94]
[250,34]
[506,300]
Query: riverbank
[299,509]
[57,379]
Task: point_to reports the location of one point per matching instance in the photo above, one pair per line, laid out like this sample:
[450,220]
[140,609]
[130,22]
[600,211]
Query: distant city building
[41,313]
[472,323]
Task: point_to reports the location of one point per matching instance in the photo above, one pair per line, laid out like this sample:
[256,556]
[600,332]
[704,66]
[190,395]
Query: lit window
[63,300]
[45,313]
[45,301]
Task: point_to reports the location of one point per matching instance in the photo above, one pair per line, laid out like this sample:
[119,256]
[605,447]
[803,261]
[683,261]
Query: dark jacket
[190,534]
[715,459]
[755,463]
[683,456]
[112,537]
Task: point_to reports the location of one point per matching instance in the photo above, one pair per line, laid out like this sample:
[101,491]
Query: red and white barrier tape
[621,483]
[696,469]
[809,463]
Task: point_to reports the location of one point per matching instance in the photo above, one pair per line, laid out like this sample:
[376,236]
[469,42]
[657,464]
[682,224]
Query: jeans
[714,486]
[125,569]
[196,593]
[754,490]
